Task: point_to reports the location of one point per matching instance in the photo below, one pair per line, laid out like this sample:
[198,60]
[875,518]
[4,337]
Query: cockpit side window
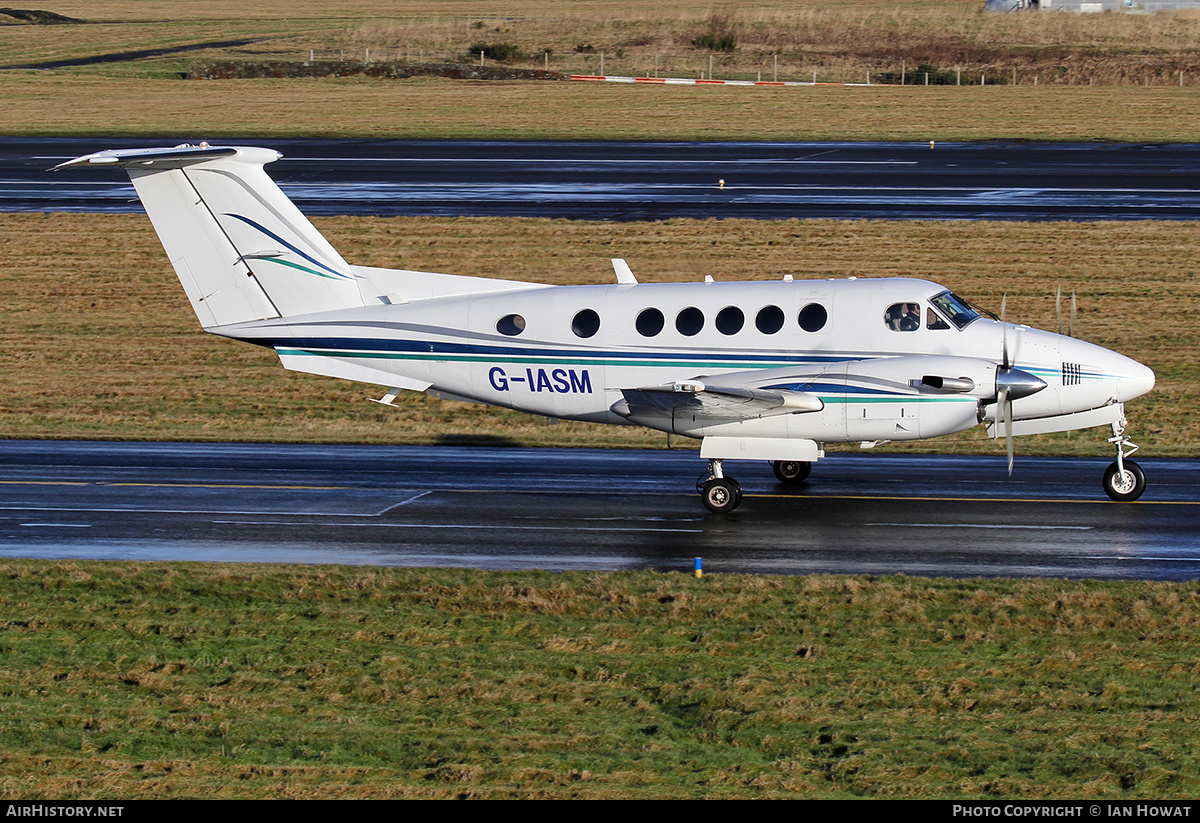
[954,308]
[903,316]
[933,320]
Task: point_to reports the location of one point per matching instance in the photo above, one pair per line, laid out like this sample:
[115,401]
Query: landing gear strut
[719,493]
[1124,480]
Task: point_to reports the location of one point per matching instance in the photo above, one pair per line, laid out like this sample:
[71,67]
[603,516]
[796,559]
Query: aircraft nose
[1135,380]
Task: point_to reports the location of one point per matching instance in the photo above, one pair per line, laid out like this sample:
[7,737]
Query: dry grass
[839,40]
[62,104]
[98,340]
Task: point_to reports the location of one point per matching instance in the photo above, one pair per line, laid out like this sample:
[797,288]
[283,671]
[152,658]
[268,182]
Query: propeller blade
[1006,403]
[1004,341]
[1058,307]
[1012,384]
[1071,327]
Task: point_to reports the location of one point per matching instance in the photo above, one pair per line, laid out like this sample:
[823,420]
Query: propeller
[1011,384]
[1058,311]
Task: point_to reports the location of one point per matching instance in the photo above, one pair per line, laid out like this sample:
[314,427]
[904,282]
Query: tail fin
[241,249]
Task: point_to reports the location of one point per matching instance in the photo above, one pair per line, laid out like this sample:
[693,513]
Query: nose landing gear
[1124,480]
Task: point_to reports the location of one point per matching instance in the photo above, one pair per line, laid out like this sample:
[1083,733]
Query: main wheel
[1124,485]
[721,495]
[791,471]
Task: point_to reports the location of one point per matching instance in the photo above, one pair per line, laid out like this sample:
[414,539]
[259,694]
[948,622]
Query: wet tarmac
[656,181]
[566,509]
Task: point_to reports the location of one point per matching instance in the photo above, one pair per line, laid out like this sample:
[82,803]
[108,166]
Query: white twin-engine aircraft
[757,370]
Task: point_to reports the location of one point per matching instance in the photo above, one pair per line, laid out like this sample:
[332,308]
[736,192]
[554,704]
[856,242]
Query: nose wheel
[1124,480]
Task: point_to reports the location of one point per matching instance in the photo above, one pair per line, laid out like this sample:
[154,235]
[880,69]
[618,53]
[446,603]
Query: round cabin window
[586,323]
[813,317]
[511,324]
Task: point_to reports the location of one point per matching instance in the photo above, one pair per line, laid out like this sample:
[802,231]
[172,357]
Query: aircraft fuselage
[569,351]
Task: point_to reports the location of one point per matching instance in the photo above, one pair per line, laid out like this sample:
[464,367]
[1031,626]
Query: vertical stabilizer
[241,249]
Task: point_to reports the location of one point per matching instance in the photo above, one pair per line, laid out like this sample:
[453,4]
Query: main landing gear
[722,494]
[1124,480]
[791,471]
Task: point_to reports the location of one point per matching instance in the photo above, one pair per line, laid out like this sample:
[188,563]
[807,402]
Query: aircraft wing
[745,395]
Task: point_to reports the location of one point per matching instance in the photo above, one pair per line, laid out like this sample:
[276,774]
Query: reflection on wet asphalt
[653,181]
[564,509]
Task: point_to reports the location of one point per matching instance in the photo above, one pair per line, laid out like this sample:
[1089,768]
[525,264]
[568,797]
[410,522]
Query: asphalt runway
[566,509]
[654,181]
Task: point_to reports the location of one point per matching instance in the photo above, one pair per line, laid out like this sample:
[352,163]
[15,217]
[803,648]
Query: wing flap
[715,402]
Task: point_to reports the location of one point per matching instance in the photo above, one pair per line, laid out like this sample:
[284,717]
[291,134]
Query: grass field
[126,680]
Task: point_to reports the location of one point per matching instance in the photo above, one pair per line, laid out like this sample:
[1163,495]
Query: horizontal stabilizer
[311,363]
[172,158]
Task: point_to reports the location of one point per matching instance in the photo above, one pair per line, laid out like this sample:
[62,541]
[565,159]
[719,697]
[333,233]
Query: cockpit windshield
[956,310]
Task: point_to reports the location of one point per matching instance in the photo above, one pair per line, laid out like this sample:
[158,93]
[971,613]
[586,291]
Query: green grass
[128,680]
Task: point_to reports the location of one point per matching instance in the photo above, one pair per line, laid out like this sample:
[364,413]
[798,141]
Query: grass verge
[129,680]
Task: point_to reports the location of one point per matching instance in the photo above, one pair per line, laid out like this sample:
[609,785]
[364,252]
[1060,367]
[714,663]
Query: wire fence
[772,68]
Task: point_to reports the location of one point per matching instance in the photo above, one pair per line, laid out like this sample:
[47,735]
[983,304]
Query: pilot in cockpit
[903,317]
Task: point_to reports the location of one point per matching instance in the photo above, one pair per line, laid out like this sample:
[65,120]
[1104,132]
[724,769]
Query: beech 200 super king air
[757,370]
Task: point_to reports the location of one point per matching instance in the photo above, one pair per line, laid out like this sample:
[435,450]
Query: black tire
[721,495]
[791,471]
[1127,486]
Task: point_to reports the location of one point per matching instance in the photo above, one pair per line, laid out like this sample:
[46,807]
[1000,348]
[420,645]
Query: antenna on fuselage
[624,273]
